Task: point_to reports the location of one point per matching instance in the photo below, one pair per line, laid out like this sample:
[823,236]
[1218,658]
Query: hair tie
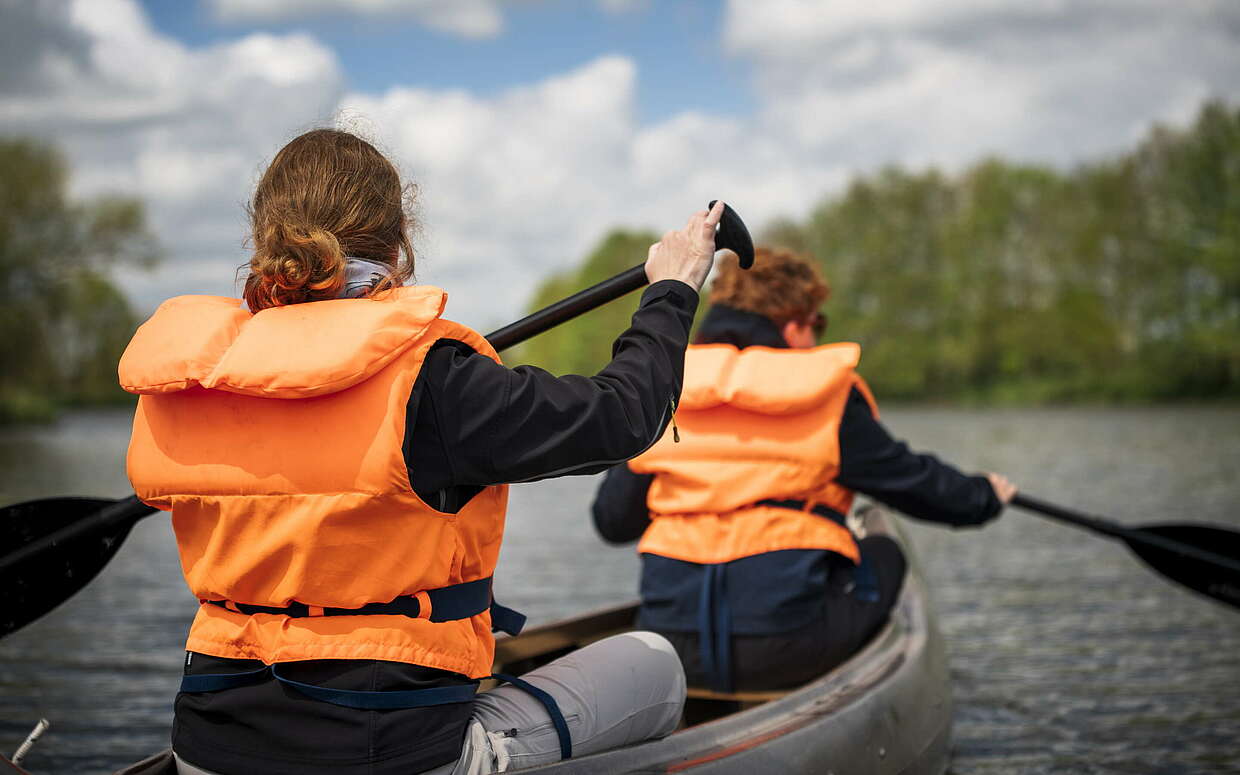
[361,275]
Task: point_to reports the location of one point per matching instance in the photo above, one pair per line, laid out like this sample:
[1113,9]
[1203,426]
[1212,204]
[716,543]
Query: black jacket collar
[741,329]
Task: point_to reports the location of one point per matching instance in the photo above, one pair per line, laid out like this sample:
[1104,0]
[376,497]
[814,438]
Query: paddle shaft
[1126,534]
[569,308]
[731,235]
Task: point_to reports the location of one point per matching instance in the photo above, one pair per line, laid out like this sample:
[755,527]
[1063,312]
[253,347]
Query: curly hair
[781,285]
[327,195]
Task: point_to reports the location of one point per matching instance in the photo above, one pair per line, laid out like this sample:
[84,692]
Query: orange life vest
[275,439]
[756,424]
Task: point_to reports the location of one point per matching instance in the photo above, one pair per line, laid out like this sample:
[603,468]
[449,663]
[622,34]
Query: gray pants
[615,692]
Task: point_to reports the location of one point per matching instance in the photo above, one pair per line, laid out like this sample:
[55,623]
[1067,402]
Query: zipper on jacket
[675,430]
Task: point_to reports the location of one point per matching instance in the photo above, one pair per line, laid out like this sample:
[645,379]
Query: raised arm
[481,423]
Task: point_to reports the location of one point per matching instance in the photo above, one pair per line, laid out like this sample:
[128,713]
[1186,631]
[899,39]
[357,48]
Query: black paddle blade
[733,235]
[40,583]
[1211,566]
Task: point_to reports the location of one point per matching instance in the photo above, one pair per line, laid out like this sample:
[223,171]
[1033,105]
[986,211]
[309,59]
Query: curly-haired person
[748,564]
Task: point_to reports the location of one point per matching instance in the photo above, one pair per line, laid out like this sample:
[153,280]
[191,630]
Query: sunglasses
[818,323]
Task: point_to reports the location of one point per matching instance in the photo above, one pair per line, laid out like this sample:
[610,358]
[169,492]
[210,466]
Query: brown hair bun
[295,263]
[326,195]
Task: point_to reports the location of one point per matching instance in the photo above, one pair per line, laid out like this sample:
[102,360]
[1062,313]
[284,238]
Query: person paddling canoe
[334,454]
[748,565]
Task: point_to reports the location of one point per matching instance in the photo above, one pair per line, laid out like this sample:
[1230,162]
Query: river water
[1067,655]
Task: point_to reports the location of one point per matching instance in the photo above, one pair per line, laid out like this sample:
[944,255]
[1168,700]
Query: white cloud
[916,81]
[513,185]
[522,182]
[467,18]
[183,128]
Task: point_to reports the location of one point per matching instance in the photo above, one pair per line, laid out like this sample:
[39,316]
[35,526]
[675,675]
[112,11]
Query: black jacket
[470,423]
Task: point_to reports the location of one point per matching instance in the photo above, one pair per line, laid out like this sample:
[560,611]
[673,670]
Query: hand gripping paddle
[730,234]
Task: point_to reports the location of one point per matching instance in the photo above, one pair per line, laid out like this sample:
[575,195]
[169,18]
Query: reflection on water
[1067,655]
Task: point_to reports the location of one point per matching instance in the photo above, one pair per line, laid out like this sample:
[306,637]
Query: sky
[533,127]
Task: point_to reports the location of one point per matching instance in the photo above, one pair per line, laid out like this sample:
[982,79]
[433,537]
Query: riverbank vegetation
[1004,283]
[63,321]
[1008,282]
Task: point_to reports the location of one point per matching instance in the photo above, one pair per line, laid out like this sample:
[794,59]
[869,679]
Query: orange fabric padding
[297,351]
[715,538]
[288,483]
[755,424]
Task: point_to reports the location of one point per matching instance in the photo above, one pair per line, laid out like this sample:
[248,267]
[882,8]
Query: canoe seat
[745,698]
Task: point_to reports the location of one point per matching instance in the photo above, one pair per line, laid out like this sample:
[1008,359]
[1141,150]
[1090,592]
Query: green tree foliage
[583,346]
[1016,283]
[63,325]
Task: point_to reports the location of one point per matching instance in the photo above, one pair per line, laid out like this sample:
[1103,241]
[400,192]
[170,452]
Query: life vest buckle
[445,604]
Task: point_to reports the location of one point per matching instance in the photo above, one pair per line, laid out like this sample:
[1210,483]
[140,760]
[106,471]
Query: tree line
[63,321]
[1011,283]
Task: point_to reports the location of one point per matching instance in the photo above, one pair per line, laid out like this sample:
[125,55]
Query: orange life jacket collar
[757,379]
[295,351]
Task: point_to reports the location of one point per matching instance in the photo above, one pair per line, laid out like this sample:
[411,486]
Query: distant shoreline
[1222,402]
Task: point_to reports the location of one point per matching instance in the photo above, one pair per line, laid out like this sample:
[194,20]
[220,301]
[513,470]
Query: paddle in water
[54,546]
[1204,558]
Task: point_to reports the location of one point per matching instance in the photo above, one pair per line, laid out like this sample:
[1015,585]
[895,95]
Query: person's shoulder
[445,332]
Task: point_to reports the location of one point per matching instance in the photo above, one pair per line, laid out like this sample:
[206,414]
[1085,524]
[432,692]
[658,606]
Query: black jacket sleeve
[473,422]
[619,508]
[922,486]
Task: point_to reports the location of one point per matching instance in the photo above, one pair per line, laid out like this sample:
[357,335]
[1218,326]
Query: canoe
[886,711]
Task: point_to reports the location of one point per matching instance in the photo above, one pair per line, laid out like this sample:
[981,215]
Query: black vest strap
[457,601]
[715,628]
[799,505]
[553,710]
[714,618]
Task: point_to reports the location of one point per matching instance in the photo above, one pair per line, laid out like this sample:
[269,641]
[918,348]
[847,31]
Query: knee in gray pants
[618,691]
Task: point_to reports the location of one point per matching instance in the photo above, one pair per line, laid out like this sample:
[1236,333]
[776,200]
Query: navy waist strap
[411,698]
[799,505]
[457,601]
[715,628]
[714,614]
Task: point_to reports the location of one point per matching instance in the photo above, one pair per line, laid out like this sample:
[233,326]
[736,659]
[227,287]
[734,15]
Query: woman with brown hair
[748,565]
[335,458]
